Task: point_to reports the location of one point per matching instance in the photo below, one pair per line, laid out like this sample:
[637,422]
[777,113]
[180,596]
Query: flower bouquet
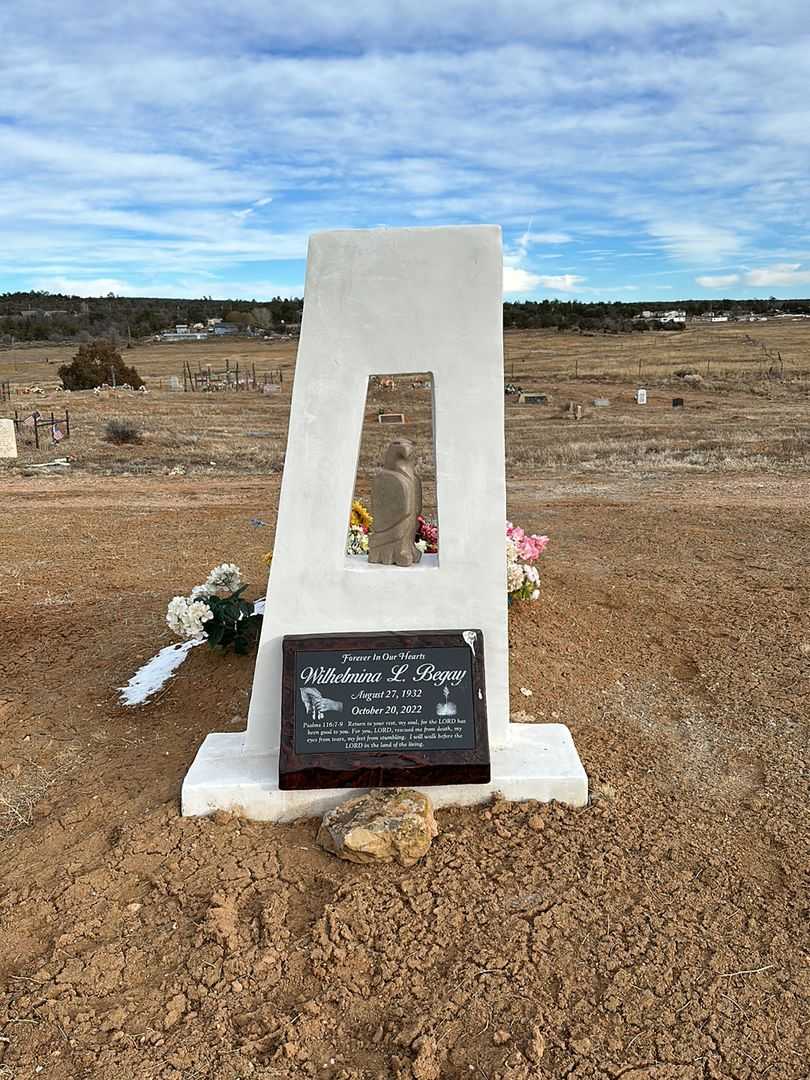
[522,552]
[215,611]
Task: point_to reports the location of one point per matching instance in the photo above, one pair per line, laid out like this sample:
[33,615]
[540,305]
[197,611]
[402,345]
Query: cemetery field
[740,414]
[658,934]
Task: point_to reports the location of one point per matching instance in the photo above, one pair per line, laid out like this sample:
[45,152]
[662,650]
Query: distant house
[223,328]
[182,332]
[673,316]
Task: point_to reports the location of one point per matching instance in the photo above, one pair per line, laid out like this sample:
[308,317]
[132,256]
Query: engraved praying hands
[315,704]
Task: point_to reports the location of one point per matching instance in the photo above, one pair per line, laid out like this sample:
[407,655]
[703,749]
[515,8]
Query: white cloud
[160,162]
[717,281]
[184,289]
[561,282]
[516,280]
[779,274]
[89,286]
[694,241]
[530,238]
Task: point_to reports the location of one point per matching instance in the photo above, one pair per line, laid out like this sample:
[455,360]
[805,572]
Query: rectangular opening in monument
[394,517]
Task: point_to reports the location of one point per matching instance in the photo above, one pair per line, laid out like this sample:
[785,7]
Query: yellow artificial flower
[360,515]
[268,558]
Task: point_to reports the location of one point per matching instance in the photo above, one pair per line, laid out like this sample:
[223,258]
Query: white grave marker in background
[391,301]
[8,439]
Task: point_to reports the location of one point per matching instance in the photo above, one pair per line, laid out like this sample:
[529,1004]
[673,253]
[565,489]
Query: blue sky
[644,151]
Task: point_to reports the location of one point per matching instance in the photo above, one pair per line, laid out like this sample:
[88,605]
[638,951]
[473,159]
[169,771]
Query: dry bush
[122,431]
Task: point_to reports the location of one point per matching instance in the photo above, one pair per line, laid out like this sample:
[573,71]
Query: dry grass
[24,789]
[736,417]
[743,452]
[721,351]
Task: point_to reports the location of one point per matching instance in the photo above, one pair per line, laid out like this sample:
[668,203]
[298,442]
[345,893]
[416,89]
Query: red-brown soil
[659,933]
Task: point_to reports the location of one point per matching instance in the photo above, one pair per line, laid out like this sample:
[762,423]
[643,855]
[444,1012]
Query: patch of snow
[156,672]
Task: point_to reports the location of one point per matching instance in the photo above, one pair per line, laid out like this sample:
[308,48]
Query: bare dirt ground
[659,933]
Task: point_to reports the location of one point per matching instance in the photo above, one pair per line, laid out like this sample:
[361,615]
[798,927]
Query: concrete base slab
[540,762]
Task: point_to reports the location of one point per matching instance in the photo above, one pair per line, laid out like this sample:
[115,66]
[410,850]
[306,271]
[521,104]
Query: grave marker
[8,439]
[641,396]
[533,399]
[390,418]
[380,710]
[450,282]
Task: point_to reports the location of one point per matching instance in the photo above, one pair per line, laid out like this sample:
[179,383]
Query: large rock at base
[387,823]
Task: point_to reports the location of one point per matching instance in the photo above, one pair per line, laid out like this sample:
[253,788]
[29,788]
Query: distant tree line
[619,316]
[44,316]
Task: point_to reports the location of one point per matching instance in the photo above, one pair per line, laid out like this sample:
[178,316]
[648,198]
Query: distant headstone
[534,399]
[601,403]
[270,388]
[677,403]
[641,396]
[391,418]
[8,439]
[173,383]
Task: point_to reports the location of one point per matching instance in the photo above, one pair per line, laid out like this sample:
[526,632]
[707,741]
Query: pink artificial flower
[429,533]
[529,548]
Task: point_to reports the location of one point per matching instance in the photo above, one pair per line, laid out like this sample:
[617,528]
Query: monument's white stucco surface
[8,439]
[390,302]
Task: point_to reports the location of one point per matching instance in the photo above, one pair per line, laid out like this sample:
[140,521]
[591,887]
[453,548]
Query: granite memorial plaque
[383,710]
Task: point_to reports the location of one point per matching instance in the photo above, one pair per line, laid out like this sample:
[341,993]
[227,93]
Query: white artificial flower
[535,594]
[514,576]
[200,590]
[422,545]
[177,605]
[532,573]
[197,613]
[186,617]
[511,551]
[224,578]
[356,541]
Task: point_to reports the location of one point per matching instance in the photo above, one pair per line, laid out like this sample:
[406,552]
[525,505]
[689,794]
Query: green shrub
[97,363]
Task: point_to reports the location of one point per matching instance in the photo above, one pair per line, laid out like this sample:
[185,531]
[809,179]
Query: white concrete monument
[394,302]
[8,439]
